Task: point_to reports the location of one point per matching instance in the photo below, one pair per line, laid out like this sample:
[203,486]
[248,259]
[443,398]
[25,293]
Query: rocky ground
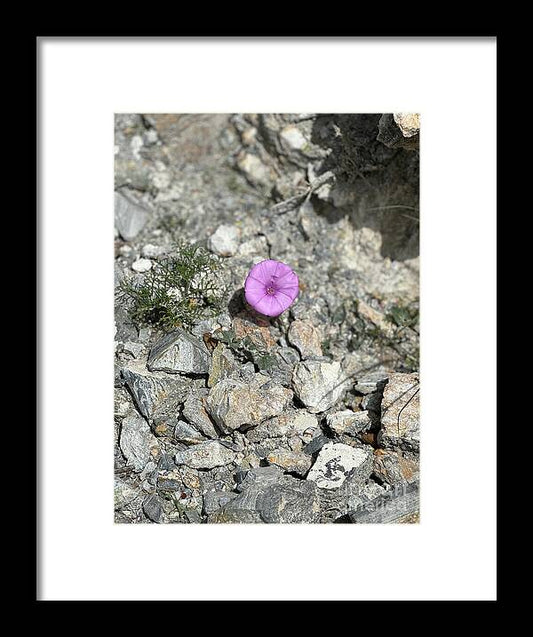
[233,417]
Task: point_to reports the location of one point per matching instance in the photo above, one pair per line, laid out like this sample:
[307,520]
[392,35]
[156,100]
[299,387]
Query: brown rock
[306,337]
[400,412]
[256,328]
[299,463]
[395,468]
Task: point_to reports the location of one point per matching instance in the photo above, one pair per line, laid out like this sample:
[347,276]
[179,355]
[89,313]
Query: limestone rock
[225,241]
[400,412]
[205,455]
[194,412]
[185,432]
[293,461]
[222,365]
[254,328]
[395,468]
[137,443]
[179,353]
[306,337]
[349,422]
[337,461]
[130,217]
[318,384]
[232,403]
[289,500]
[296,422]
[255,170]
[142,265]
[152,392]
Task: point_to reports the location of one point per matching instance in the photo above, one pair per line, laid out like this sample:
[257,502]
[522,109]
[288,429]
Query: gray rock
[306,337]
[179,353]
[222,365]
[255,170]
[232,403]
[135,349]
[372,402]
[339,502]
[184,432]
[125,494]
[269,496]
[152,508]
[296,422]
[349,422]
[137,443]
[243,508]
[152,392]
[400,504]
[371,382]
[259,478]
[194,412]
[225,241]
[193,517]
[318,384]
[337,461]
[130,217]
[289,500]
[400,413]
[234,516]
[316,444]
[205,455]
[151,251]
[215,500]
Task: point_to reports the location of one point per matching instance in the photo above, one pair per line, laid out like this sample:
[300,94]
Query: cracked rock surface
[311,417]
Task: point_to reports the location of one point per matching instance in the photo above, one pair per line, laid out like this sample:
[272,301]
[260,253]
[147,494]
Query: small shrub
[179,289]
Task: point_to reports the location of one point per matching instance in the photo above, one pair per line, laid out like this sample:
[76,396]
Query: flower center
[270,290]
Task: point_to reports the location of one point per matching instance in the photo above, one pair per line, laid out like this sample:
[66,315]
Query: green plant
[405,316]
[179,289]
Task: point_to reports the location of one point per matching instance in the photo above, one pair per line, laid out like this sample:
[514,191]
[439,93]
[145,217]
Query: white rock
[135,349]
[136,145]
[141,265]
[130,217]
[151,251]
[161,180]
[337,461]
[408,123]
[293,137]
[254,169]
[125,250]
[225,241]
[249,135]
[318,384]
[137,442]
[151,137]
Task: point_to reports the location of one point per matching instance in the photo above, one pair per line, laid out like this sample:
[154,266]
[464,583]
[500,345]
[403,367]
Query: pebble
[141,265]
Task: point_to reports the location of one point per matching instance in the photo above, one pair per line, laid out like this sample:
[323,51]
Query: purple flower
[270,287]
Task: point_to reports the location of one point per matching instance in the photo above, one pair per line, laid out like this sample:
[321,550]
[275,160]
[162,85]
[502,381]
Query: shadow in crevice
[377,187]
[236,304]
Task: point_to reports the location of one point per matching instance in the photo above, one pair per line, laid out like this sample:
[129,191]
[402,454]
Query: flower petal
[267,305]
[275,274]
